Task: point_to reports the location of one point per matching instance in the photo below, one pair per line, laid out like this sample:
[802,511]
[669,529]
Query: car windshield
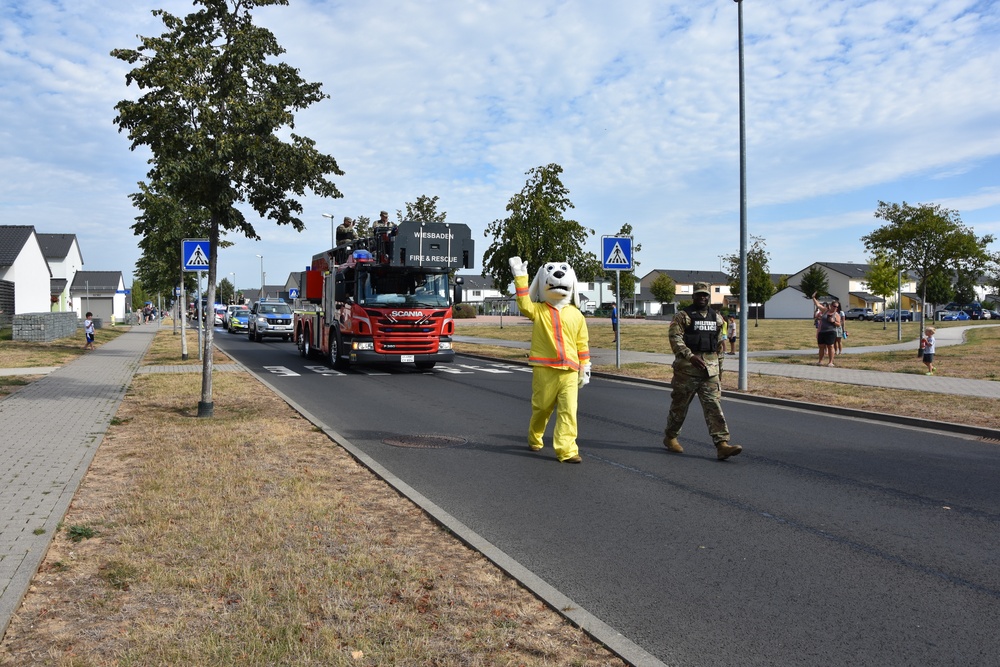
[410,288]
[275,309]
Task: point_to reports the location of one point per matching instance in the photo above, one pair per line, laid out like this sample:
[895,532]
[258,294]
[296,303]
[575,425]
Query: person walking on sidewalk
[698,347]
[88,331]
[927,345]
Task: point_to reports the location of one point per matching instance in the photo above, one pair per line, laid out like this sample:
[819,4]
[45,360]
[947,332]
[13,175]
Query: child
[88,328]
[928,343]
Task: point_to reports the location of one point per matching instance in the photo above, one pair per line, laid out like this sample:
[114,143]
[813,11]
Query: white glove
[584,375]
[518,266]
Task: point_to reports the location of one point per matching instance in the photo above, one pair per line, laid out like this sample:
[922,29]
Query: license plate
[406,358]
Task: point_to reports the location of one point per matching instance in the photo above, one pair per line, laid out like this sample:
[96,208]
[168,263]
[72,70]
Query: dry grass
[251,539]
[23,354]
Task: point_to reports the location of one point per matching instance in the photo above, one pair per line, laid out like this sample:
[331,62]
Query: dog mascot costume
[560,352]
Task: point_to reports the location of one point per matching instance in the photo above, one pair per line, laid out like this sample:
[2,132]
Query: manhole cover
[425,441]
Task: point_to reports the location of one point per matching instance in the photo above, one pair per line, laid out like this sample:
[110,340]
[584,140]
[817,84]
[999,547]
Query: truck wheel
[303,345]
[336,360]
[425,365]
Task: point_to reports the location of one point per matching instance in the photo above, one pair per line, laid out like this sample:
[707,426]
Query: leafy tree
[537,231]
[882,278]
[138,294]
[927,240]
[422,210]
[363,226]
[938,289]
[663,288]
[213,109]
[760,287]
[782,283]
[628,277]
[815,281]
[225,292]
[161,225]
[965,288]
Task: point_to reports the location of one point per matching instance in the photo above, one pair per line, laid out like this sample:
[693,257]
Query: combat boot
[725,450]
[672,445]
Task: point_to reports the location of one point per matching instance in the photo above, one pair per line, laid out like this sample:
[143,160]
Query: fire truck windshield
[391,286]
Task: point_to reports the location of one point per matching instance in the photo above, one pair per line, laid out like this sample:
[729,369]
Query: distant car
[890,316]
[220,315]
[238,319]
[954,315]
[860,314]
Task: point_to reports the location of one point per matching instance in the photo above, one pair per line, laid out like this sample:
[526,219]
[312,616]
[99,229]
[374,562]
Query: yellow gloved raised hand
[584,375]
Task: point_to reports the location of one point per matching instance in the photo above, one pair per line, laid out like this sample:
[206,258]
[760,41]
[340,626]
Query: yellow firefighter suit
[560,347]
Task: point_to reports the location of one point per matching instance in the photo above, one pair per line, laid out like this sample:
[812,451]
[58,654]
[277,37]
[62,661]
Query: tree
[214,101]
[938,289]
[760,288]
[225,292]
[422,210]
[927,240]
[537,231]
[663,288]
[628,277]
[815,281]
[882,278]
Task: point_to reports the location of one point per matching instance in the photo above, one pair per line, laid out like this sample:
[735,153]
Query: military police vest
[702,332]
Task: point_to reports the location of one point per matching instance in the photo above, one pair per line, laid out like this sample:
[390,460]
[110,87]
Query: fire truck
[384,298]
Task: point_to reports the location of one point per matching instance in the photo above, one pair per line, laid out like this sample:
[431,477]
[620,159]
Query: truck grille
[408,336]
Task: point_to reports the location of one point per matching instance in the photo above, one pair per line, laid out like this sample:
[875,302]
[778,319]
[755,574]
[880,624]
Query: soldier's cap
[702,287]
[383,213]
[347,219]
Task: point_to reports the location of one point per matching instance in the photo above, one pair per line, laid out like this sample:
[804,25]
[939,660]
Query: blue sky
[848,103]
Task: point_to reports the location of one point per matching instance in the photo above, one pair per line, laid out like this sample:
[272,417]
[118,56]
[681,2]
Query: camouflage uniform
[690,380]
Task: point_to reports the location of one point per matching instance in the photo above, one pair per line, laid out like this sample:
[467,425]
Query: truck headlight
[444,345]
[364,346]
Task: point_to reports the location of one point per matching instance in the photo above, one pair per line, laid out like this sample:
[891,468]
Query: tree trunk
[205,406]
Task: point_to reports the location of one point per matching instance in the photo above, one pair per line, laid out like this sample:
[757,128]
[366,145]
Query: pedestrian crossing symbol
[616,252]
[194,254]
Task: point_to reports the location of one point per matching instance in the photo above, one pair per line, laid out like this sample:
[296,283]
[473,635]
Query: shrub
[464,311]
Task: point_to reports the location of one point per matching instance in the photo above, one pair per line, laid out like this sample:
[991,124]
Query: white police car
[270,318]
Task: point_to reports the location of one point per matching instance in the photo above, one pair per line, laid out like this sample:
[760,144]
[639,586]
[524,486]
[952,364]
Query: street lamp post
[743,211]
[261,258]
[233,274]
[333,230]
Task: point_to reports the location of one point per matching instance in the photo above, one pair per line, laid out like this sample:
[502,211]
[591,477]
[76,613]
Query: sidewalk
[915,382]
[52,429]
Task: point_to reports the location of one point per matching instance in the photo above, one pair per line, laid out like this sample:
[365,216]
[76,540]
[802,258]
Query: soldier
[345,231]
[697,344]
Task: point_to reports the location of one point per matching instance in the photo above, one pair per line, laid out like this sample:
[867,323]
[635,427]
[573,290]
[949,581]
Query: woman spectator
[838,345]
[827,321]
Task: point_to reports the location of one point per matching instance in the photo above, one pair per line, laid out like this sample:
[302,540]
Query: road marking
[282,371]
[324,370]
[484,369]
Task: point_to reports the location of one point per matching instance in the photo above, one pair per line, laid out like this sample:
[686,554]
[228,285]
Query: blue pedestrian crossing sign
[616,252]
[293,293]
[195,254]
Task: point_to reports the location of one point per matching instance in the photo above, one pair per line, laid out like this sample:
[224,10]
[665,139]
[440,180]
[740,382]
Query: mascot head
[555,284]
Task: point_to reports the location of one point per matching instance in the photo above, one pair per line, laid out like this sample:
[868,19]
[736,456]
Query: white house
[845,281]
[684,280]
[101,293]
[23,264]
[62,252]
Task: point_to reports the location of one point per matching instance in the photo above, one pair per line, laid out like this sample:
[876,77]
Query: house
[845,281]
[101,293]
[481,293]
[24,271]
[62,252]
[684,280]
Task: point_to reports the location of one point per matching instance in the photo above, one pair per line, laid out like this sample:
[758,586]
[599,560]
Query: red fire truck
[384,298]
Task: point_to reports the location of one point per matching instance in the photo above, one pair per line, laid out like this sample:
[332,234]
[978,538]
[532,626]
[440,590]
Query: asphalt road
[829,541]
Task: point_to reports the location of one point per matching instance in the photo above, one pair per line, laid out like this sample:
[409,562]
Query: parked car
[954,315]
[860,314]
[890,316]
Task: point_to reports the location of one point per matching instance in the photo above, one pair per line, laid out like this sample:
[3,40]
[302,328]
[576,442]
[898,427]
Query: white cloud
[846,100]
